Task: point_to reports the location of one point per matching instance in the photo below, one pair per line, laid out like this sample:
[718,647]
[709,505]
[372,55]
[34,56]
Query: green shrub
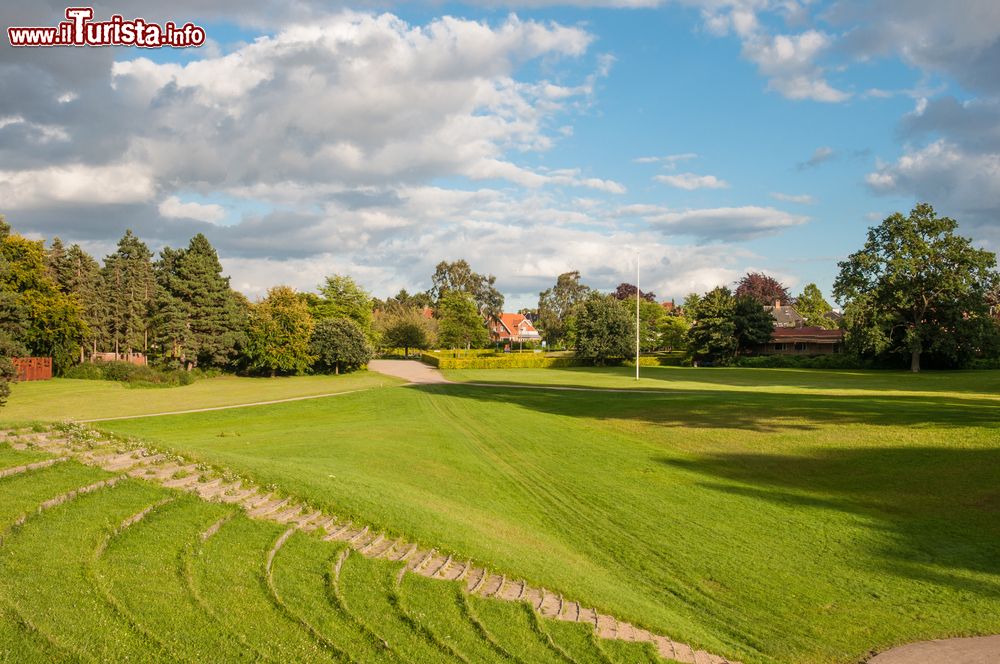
[985,363]
[131,374]
[833,361]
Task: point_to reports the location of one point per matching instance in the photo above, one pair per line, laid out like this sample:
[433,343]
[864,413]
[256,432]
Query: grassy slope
[768,514]
[62,399]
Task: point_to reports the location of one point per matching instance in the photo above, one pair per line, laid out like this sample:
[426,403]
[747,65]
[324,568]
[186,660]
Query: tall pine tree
[79,276]
[129,289]
[196,313]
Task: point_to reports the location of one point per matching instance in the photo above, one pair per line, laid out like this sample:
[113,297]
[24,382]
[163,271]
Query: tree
[405,299]
[197,313]
[129,287]
[279,333]
[765,289]
[627,292]
[558,306]
[79,275]
[459,277]
[814,308]
[339,344]
[690,306]
[673,332]
[753,324]
[460,324]
[713,335]
[344,298]
[650,316]
[917,287]
[605,329]
[45,321]
[405,329]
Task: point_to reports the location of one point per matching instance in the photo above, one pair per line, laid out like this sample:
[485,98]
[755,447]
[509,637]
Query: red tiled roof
[786,333]
[511,325]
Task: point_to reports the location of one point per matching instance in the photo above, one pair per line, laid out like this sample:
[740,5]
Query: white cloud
[173,207]
[691,181]
[79,184]
[802,199]
[958,182]
[357,99]
[668,161]
[727,223]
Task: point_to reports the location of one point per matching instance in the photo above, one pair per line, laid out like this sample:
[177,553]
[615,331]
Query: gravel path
[976,650]
[409,370]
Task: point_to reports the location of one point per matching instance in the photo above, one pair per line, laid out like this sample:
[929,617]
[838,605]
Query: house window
[779,346]
[800,347]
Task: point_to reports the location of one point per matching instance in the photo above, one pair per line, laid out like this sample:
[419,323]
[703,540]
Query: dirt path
[976,650]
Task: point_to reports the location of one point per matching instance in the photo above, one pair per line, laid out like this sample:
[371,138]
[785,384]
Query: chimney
[777,304]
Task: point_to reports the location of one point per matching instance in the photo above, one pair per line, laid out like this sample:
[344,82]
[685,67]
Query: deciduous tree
[279,333]
[558,308]
[763,288]
[339,345]
[917,287]
[459,322]
[605,329]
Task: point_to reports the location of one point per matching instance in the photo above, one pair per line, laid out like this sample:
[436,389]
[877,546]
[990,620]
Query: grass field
[65,399]
[769,515]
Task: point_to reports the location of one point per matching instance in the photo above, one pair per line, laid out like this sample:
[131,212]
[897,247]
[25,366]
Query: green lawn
[63,399]
[769,515]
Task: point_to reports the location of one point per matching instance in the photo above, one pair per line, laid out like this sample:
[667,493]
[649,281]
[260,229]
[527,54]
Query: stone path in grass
[975,650]
[176,472]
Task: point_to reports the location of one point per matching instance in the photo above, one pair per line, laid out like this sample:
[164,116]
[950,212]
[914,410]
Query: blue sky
[714,137]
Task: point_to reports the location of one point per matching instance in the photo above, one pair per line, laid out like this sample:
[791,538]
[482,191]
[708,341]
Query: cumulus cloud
[959,183]
[723,224]
[91,185]
[691,181]
[173,207]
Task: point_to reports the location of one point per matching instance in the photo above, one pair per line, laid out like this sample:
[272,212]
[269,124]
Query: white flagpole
[637,291]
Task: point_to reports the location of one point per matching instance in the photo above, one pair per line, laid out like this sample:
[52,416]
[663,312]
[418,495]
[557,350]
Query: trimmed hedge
[504,361]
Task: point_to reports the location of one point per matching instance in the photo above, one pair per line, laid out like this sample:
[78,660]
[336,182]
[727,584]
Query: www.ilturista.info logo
[79,30]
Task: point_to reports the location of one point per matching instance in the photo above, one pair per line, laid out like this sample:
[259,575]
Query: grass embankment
[770,515]
[136,572]
[69,399]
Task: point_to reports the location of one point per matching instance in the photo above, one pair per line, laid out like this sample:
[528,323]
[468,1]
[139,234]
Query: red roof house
[802,341]
[513,327]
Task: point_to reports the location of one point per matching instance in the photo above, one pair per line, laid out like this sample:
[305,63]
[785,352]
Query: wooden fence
[33,368]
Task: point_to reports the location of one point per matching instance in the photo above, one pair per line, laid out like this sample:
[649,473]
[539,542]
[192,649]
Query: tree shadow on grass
[752,411]
[985,383]
[940,506]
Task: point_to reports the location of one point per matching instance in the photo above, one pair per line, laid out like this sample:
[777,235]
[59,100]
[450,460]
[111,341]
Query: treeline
[181,313]
[917,294]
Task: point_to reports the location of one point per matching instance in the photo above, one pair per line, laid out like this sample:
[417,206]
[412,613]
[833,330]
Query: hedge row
[834,361]
[505,361]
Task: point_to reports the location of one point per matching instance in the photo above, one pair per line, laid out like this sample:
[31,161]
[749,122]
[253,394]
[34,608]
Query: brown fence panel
[33,368]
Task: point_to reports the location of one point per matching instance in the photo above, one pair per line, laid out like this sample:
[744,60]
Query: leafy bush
[131,374]
[833,361]
[985,363]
